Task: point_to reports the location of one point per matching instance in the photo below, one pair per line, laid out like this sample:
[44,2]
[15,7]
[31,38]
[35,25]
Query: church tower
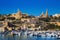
[42,15]
[46,13]
[18,14]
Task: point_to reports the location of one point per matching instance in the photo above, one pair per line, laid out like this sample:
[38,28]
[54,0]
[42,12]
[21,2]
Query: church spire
[46,13]
[18,10]
[18,14]
[42,15]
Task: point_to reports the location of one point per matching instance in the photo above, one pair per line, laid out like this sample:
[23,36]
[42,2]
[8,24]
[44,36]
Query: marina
[24,37]
[43,34]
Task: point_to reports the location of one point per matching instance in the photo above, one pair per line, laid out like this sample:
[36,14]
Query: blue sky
[31,7]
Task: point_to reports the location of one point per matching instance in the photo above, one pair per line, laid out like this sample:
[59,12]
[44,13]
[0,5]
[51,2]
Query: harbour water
[24,37]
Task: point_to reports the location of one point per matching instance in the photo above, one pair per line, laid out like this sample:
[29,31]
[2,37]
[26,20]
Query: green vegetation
[2,18]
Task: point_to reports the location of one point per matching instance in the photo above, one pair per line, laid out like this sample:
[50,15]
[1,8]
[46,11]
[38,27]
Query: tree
[55,17]
[2,18]
[51,16]
[11,18]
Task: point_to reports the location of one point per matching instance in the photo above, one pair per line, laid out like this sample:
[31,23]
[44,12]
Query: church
[44,15]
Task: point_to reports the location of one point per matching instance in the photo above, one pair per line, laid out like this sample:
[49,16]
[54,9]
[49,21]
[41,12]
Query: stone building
[3,24]
[44,15]
[18,15]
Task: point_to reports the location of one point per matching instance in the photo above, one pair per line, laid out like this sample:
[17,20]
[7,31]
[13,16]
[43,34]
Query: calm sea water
[23,37]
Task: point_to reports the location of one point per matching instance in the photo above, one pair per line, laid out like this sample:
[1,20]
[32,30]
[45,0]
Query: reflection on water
[23,37]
